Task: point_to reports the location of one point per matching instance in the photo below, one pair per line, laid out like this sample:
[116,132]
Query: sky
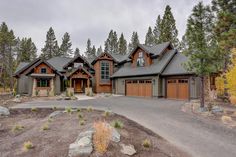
[93,19]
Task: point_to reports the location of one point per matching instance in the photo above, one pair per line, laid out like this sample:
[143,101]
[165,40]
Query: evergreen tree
[49,49]
[134,41]
[88,49]
[93,52]
[65,48]
[56,50]
[225,32]
[157,30]
[203,60]
[111,44]
[77,52]
[168,30]
[26,51]
[149,39]
[122,45]
[99,51]
[7,48]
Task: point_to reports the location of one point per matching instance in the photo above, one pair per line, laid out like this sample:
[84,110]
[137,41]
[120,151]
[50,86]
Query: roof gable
[80,68]
[25,67]
[104,56]
[78,57]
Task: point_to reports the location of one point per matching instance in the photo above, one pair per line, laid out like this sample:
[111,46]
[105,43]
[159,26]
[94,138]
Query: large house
[148,71]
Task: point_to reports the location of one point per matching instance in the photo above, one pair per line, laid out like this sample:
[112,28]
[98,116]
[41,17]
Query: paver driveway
[197,136]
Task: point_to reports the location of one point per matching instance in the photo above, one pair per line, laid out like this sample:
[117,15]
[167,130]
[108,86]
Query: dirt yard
[64,129]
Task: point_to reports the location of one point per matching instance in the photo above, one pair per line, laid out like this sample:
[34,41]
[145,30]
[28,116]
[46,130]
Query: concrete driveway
[197,136]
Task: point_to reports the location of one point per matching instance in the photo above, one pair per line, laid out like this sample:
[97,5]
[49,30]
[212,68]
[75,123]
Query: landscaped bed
[52,136]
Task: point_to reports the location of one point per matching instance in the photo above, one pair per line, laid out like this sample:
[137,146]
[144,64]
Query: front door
[78,85]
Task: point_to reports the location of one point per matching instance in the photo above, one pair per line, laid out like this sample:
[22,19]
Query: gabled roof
[38,63]
[104,53]
[156,68]
[59,62]
[76,69]
[116,57]
[76,57]
[175,67]
[24,66]
[153,50]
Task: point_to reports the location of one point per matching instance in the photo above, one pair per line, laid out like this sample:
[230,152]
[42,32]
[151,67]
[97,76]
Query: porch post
[70,82]
[88,82]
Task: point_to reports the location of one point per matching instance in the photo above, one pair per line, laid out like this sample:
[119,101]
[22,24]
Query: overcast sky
[89,18]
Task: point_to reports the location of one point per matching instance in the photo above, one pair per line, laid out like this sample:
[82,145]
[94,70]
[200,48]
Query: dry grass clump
[226,119]
[45,127]
[17,128]
[106,114]
[117,124]
[34,109]
[81,122]
[68,110]
[101,136]
[146,143]
[90,109]
[28,145]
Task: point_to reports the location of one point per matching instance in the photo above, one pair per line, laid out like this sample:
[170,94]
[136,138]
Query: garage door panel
[178,89]
[139,88]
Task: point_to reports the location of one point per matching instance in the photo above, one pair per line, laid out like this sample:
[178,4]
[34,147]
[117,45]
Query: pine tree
[122,44]
[93,52]
[48,51]
[157,30]
[99,51]
[26,51]
[225,32]
[7,48]
[111,44]
[77,52]
[56,50]
[168,30]
[134,41]
[203,59]
[149,39]
[65,48]
[88,49]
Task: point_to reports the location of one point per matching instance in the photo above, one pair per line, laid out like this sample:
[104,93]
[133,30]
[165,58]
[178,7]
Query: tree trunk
[226,95]
[202,95]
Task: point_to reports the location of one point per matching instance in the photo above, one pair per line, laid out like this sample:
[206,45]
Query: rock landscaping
[66,137]
[4,111]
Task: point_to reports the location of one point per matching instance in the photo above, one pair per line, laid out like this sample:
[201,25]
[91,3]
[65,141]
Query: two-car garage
[176,88]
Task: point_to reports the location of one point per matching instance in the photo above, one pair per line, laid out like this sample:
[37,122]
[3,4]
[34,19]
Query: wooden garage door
[139,88]
[177,89]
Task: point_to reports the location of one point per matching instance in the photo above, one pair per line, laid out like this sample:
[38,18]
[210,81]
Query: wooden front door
[78,85]
[139,88]
[177,89]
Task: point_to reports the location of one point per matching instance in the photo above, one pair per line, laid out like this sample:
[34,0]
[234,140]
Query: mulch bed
[64,129]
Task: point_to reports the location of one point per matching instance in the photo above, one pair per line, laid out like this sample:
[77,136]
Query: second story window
[105,72]
[43,70]
[140,60]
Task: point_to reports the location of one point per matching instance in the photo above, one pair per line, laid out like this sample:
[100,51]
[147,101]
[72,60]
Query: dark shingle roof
[156,49]
[155,68]
[175,67]
[119,57]
[59,62]
[20,66]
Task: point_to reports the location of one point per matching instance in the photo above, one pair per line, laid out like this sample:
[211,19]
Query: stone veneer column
[34,86]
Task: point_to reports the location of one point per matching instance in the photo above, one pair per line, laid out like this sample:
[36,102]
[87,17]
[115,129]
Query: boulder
[115,135]
[216,109]
[82,147]
[67,98]
[55,113]
[4,111]
[127,149]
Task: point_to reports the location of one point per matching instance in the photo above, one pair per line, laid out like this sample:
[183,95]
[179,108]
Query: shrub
[54,108]
[45,127]
[89,109]
[17,128]
[117,124]
[78,110]
[68,110]
[226,119]
[106,114]
[27,145]
[34,109]
[50,120]
[101,136]
[146,143]
[80,116]
[81,122]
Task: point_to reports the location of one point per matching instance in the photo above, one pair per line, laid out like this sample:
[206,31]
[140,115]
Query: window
[105,72]
[43,82]
[140,60]
[43,70]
